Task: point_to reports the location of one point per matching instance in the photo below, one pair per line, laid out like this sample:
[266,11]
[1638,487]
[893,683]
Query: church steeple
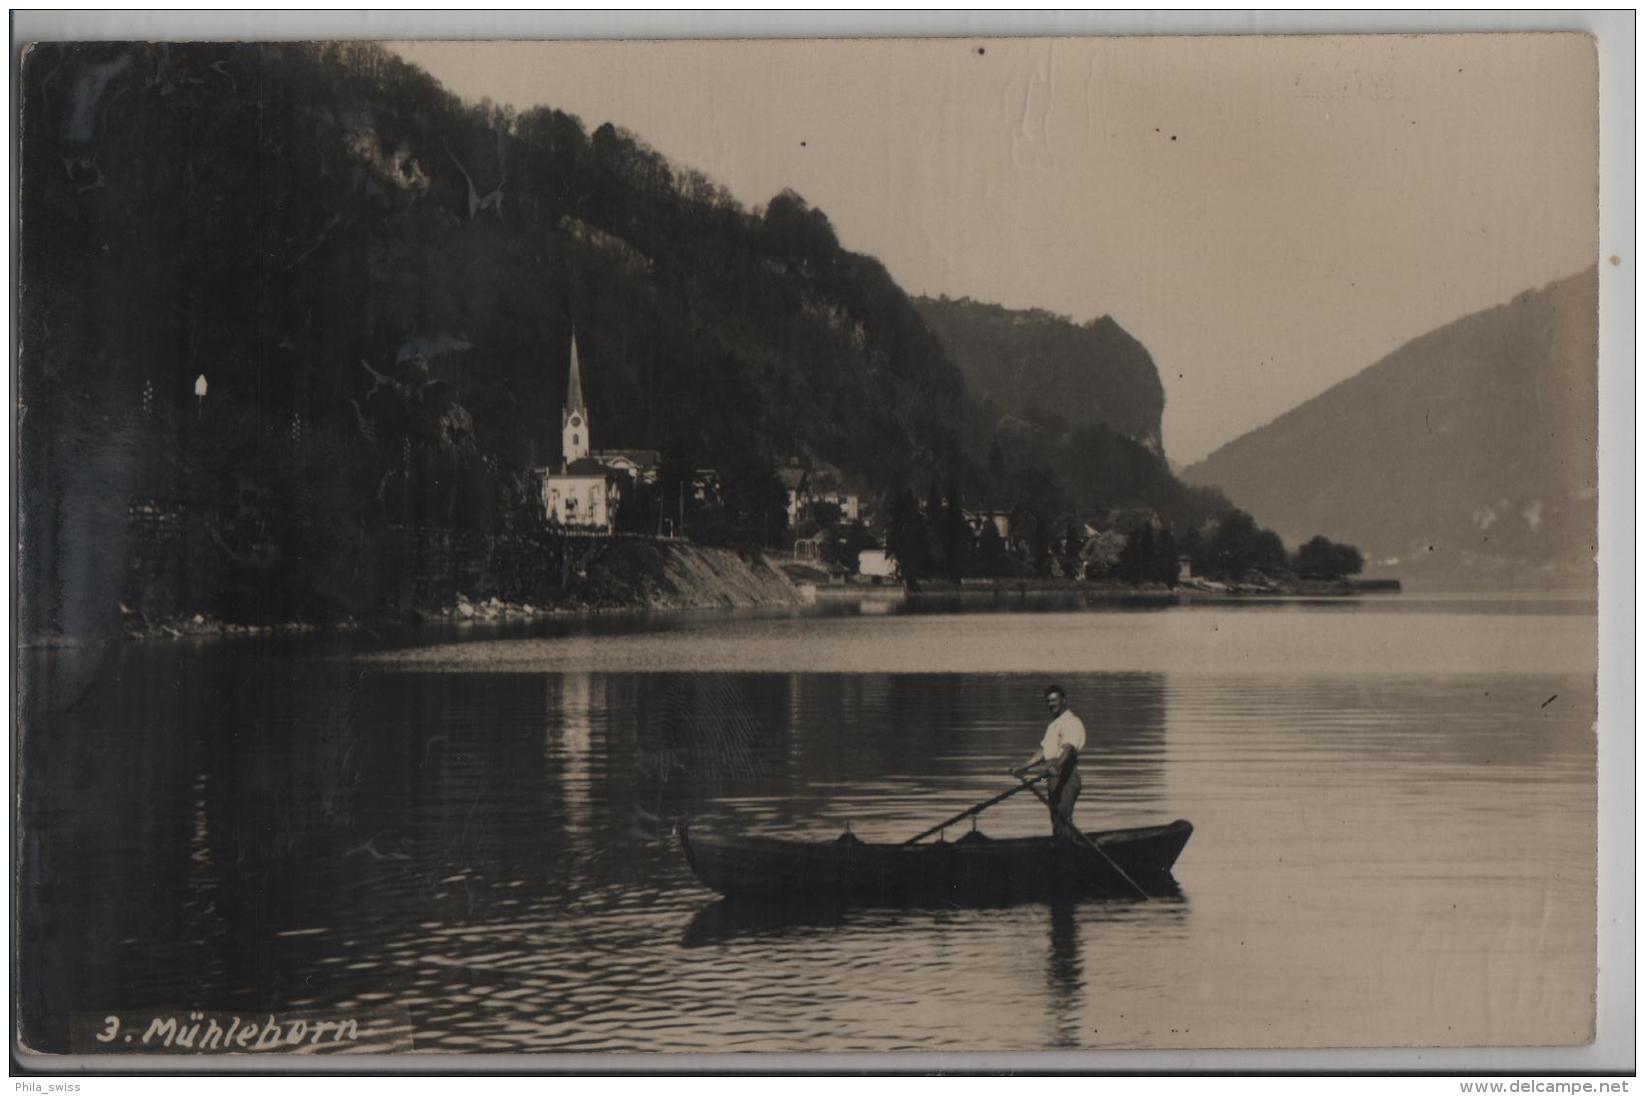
[574,443]
[574,388]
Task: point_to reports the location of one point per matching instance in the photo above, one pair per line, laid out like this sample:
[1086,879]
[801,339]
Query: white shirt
[1065,730]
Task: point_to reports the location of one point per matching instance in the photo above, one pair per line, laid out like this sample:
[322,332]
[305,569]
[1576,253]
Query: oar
[1090,844]
[1027,785]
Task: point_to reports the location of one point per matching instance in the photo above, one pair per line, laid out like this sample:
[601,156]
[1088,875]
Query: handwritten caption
[196,1031]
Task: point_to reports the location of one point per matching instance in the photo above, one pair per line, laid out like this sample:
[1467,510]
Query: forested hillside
[300,223]
[1045,371]
[379,284]
[1068,414]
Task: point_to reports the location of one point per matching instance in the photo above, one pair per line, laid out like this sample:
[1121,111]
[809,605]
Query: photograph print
[877,545]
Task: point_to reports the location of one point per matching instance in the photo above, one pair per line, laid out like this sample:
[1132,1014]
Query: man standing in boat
[1057,760]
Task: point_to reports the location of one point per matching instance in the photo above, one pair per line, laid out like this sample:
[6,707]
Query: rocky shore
[633,575]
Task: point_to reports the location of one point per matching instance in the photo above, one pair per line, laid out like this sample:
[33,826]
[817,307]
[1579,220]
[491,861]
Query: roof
[644,458]
[574,387]
[1127,520]
[586,468]
[792,477]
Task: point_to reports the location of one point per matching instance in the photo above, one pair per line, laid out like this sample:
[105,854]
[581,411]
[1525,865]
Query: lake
[1394,802]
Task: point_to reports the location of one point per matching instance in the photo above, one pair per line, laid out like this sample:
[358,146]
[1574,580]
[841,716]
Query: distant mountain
[1468,453]
[1045,369]
[1061,416]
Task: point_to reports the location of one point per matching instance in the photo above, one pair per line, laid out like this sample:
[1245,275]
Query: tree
[1268,554]
[677,487]
[1234,544]
[991,560]
[1196,545]
[843,544]
[905,538]
[825,515]
[1322,558]
[1102,553]
[1238,546]
[956,536]
[936,532]
[1347,559]
[996,460]
[1150,555]
[1069,545]
[637,512]
[755,502]
[1042,547]
[795,229]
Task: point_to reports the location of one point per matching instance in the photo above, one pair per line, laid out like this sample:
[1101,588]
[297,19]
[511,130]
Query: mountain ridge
[1467,452]
[1043,367]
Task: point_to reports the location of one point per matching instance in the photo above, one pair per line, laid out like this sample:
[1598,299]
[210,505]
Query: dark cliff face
[1468,452]
[1051,372]
[1067,415]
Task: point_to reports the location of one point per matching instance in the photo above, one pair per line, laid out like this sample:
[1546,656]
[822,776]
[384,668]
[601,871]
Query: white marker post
[199,394]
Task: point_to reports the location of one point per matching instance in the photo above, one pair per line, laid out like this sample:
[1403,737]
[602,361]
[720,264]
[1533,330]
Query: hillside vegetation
[1068,414]
[379,284]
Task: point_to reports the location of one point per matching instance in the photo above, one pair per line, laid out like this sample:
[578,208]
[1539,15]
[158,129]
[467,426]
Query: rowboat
[976,869]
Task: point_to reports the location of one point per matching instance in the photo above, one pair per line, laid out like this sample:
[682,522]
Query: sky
[1268,215]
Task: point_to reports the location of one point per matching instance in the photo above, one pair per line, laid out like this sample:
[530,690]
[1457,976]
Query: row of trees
[938,540]
[1234,547]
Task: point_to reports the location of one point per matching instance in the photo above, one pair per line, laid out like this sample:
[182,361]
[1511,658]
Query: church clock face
[576,421]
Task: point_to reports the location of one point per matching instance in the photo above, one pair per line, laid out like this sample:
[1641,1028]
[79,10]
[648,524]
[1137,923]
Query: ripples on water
[1382,856]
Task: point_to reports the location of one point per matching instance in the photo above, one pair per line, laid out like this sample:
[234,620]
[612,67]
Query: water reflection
[1064,975]
[260,826]
[571,745]
[726,920]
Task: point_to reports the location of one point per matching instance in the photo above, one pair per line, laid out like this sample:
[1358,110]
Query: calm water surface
[1393,801]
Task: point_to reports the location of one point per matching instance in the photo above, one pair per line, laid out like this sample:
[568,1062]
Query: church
[580,491]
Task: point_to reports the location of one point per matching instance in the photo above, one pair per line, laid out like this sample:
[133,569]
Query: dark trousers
[1065,789]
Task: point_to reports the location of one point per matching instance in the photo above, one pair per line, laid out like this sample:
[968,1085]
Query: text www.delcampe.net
[1543,1088]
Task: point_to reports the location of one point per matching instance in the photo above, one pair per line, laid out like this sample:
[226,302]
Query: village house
[807,487]
[639,465]
[797,482]
[999,519]
[1126,522]
[1185,567]
[876,565]
[850,505]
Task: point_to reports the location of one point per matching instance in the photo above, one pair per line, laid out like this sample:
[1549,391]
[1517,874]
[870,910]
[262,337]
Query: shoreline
[629,576]
[1192,590]
[494,611]
[488,617]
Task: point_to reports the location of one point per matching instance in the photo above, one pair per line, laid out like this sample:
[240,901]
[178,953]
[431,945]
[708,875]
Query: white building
[579,491]
[874,563]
